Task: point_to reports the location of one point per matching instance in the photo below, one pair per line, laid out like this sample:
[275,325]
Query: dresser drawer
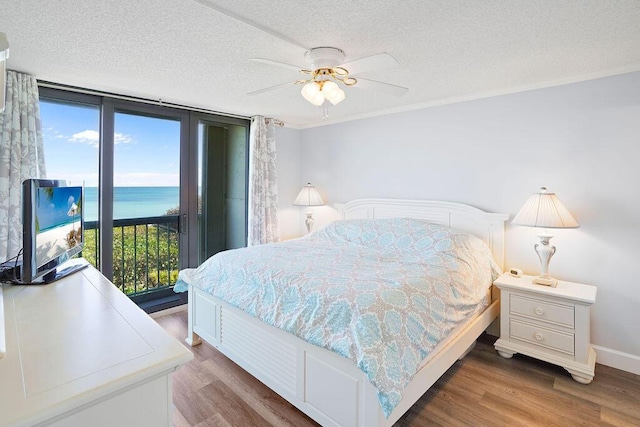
[543,310]
[542,337]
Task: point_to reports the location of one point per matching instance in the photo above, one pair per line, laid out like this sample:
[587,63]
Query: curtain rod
[158,102]
[275,121]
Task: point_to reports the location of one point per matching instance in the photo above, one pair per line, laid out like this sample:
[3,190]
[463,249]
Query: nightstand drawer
[543,310]
[542,337]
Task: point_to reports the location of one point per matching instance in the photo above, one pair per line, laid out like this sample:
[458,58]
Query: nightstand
[550,324]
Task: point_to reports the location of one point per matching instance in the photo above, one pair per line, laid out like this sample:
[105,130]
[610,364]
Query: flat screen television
[52,230]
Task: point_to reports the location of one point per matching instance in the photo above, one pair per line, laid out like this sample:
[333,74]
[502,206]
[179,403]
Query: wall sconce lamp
[544,210]
[309,196]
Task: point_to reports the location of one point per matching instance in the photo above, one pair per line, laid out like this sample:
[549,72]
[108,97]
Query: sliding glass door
[222,186]
[165,187]
[145,202]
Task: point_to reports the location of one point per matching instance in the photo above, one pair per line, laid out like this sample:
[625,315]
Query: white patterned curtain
[263,182]
[21,156]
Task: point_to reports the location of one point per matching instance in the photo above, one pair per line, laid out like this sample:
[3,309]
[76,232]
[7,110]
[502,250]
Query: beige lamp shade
[308,196]
[544,210]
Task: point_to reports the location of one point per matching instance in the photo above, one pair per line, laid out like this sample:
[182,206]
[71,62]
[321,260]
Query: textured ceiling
[196,52]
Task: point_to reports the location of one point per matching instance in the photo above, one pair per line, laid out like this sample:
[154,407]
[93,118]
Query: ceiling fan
[328,72]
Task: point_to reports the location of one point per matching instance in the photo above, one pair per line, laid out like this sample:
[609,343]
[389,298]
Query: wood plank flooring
[483,389]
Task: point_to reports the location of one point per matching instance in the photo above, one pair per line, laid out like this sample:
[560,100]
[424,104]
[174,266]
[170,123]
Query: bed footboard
[323,385]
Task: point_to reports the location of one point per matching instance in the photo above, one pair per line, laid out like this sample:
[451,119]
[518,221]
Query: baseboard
[168,311]
[617,359]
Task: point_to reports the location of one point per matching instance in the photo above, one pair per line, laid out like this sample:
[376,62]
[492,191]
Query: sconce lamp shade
[544,210]
[4,54]
[308,196]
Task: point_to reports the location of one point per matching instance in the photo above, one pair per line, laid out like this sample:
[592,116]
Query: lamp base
[545,251]
[309,222]
[546,281]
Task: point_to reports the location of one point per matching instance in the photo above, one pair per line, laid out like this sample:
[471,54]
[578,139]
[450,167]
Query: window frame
[109,105]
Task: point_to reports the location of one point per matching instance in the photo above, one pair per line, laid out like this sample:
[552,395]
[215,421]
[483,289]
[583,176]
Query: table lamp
[544,210]
[309,196]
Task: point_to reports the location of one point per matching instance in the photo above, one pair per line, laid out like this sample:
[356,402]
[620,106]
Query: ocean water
[133,202]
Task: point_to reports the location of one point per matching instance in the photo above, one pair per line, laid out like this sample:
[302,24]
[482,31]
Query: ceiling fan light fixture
[329,88]
[332,92]
[336,97]
[312,92]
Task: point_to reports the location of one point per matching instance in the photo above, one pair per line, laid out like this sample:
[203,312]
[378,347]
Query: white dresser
[78,352]
[550,324]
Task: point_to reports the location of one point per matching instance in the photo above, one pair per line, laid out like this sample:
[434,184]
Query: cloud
[52,133]
[121,138]
[92,137]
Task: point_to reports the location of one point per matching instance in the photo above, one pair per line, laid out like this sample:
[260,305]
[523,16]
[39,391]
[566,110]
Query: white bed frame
[325,386]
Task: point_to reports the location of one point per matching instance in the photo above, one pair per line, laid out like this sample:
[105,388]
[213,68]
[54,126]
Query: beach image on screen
[58,221]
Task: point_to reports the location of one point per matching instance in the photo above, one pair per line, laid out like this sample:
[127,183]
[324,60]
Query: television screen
[58,222]
[52,227]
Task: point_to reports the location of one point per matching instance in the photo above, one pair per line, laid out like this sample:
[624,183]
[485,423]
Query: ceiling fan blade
[269,89]
[277,64]
[368,63]
[387,88]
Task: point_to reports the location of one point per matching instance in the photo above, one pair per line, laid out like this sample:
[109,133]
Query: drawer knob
[538,336]
[539,311]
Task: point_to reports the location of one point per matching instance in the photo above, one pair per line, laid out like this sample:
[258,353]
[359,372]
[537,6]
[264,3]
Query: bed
[330,387]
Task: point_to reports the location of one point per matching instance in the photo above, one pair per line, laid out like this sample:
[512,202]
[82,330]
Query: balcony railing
[145,252]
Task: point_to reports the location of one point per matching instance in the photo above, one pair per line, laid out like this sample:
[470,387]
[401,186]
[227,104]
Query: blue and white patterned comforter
[382,293]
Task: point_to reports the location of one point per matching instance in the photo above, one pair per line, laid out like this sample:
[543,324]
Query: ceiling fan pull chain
[325,110]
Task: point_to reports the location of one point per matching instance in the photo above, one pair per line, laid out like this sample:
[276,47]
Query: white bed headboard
[488,226]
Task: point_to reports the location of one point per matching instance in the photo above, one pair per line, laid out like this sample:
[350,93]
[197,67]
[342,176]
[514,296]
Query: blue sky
[147,149]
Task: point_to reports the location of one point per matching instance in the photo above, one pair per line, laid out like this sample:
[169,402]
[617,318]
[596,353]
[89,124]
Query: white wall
[580,140]
[292,176]
[290,182]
